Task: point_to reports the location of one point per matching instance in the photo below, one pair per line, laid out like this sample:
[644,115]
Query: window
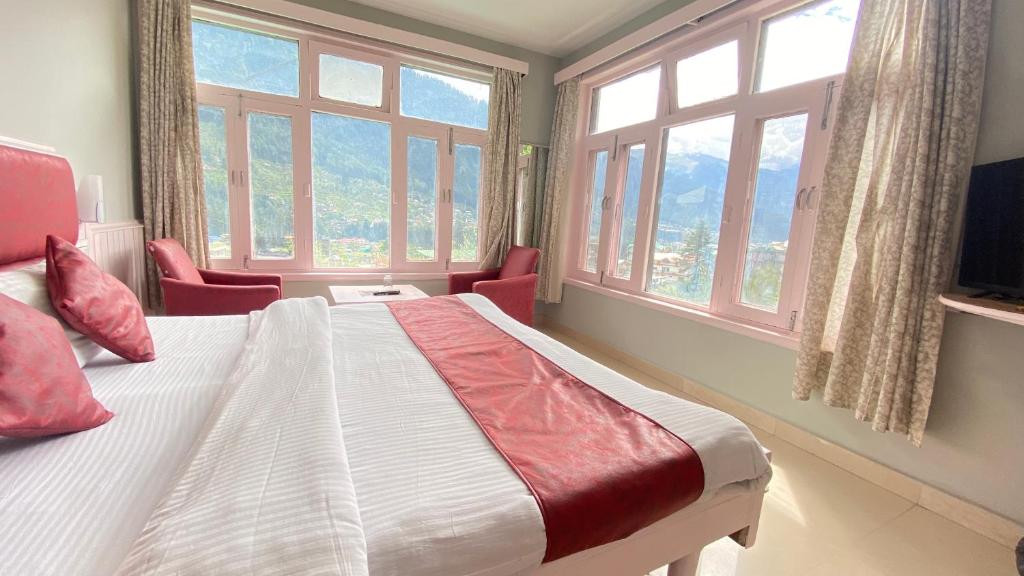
[595,210]
[236,58]
[213,149]
[323,155]
[627,210]
[817,35]
[778,171]
[625,102]
[466,204]
[351,192]
[707,76]
[348,80]
[422,199]
[271,187]
[690,204]
[707,202]
[443,98]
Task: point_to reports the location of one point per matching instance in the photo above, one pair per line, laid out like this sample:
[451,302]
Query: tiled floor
[819,520]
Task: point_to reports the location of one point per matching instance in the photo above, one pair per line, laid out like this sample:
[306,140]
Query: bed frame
[48,206]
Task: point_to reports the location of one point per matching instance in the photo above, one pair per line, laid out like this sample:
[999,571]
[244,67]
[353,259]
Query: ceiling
[554,27]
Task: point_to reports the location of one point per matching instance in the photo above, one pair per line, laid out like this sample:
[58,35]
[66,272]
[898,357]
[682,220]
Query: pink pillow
[42,389]
[95,303]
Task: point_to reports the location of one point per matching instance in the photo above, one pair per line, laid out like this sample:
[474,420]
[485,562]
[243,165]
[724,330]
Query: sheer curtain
[170,171]
[556,192]
[502,153]
[899,163]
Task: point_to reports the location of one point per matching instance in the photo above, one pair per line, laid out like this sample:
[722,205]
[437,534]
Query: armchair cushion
[188,299]
[514,296]
[519,261]
[173,261]
[240,278]
[462,282]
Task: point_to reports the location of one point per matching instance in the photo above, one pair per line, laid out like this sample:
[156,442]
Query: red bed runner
[599,470]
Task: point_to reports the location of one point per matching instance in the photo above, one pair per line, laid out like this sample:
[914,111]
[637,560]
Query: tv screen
[992,255]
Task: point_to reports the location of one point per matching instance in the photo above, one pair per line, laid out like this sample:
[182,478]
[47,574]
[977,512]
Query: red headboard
[37,197]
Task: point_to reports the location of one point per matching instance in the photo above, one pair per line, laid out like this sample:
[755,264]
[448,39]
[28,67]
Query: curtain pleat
[498,222]
[556,193]
[170,169]
[528,229]
[898,165]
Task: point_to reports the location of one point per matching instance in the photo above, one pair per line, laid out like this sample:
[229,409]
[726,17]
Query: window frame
[745,24]
[237,102]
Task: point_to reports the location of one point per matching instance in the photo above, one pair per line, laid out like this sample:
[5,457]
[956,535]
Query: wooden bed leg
[685,566]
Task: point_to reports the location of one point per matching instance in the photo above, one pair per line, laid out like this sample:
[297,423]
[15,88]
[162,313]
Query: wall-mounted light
[90,199]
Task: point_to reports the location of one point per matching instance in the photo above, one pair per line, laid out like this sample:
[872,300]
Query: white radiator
[117,248]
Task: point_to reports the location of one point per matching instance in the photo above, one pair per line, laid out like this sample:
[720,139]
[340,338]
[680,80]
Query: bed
[422,489]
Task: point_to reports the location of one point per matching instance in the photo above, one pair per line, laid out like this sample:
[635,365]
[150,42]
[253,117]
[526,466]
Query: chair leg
[685,566]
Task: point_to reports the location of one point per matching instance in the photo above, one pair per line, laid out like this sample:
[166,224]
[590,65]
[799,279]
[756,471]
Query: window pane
[778,170]
[422,199]
[351,192]
[707,76]
[630,206]
[444,98]
[599,168]
[690,209]
[247,60]
[351,80]
[466,203]
[629,101]
[214,153]
[271,186]
[810,42]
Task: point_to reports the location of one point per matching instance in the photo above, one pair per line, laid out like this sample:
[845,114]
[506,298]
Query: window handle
[800,198]
[309,190]
[828,104]
[809,202]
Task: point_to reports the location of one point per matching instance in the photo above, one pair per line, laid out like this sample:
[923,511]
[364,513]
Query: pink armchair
[189,291]
[511,287]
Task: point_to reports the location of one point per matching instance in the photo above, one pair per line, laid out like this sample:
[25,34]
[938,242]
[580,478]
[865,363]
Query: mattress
[435,498]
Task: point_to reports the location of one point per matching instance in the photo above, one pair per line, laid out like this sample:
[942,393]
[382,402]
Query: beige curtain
[556,192]
[531,198]
[170,172]
[899,162]
[502,152]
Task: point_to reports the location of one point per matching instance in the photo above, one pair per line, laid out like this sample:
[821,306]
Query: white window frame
[311,44]
[743,24]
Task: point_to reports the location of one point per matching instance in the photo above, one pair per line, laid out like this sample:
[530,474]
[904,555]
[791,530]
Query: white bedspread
[436,499]
[267,488]
[434,496]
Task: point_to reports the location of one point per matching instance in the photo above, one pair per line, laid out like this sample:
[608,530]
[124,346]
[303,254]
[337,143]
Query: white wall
[65,81]
[974,444]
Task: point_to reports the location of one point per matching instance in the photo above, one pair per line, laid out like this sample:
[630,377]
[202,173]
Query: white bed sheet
[435,498]
[89,494]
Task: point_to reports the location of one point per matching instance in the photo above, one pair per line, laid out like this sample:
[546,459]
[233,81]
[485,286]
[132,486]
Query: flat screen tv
[992,255]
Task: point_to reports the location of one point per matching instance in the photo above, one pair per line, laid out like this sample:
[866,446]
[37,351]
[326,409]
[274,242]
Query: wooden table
[364,294]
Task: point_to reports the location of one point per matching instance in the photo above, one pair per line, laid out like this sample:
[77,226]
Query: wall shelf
[995,309]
